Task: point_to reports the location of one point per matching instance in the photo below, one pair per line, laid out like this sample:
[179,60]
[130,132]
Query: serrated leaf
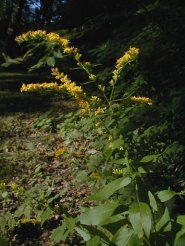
[152,200]
[166,195]
[96,215]
[164,224]
[125,237]
[110,188]
[141,218]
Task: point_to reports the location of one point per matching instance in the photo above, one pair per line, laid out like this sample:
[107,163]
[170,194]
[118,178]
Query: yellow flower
[101,87]
[13,186]
[69,50]
[118,171]
[92,77]
[30,35]
[129,56]
[30,221]
[98,124]
[142,99]
[95,99]
[53,37]
[72,88]
[99,111]
[95,176]
[41,87]
[60,151]
[112,82]
[84,111]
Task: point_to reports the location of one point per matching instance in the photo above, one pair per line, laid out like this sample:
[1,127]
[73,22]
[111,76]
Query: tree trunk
[15,19]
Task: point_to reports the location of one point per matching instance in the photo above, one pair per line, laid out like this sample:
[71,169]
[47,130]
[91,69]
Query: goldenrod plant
[128,210]
[84,102]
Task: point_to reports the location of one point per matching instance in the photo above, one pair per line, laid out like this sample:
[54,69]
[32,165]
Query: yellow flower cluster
[99,111]
[129,56]
[145,100]
[68,85]
[117,171]
[50,37]
[73,89]
[95,99]
[30,221]
[30,35]
[41,87]
[86,104]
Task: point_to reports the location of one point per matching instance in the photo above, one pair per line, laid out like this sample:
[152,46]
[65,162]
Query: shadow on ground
[12,100]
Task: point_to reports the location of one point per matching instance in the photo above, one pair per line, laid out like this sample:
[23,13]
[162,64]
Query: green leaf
[52,198]
[89,231]
[140,218]
[27,211]
[4,194]
[60,233]
[2,223]
[45,215]
[164,224]
[181,220]
[117,144]
[39,64]
[110,188]
[96,215]
[95,241]
[70,223]
[152,200]
[166,195]
[19,212]
[81,177]
[148,158]
[126,237]
[50,61]
[83,232]
[180,237]
[58,54]
[112,219]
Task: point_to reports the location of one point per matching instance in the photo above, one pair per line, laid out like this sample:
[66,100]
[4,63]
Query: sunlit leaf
[110,188]
[141,218]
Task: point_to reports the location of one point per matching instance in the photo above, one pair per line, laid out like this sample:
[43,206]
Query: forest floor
[29,158]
